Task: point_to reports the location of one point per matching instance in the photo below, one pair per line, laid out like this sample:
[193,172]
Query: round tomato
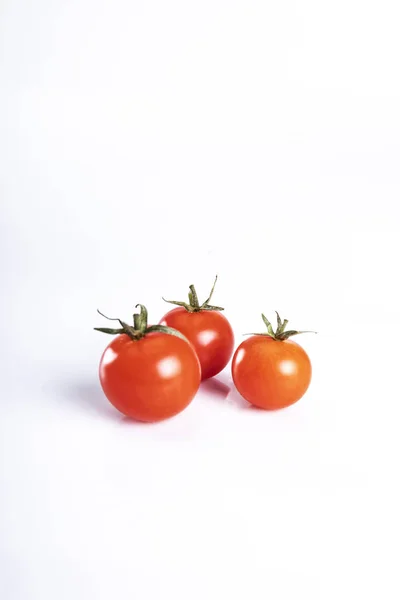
[210,334]
[149,373]
[270,370]
[206,328]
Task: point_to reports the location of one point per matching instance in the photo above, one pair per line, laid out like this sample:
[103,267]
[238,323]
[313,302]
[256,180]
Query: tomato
[206,328]
[149,373]
[210,334]
[270,370]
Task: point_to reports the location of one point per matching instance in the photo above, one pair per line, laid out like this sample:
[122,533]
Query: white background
[149,145]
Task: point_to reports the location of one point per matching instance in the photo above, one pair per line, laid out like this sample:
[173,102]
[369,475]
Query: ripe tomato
[149,373]
[206,328]
[271,371]
[210,334]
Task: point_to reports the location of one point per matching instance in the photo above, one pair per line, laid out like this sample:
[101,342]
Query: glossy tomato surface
[150,379]
[269,373]
[210,334]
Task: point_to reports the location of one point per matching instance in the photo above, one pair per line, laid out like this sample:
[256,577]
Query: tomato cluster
[150,373]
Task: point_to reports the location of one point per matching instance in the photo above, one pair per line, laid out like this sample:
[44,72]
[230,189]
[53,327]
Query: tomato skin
[209,332]
[150,379]
[270,373]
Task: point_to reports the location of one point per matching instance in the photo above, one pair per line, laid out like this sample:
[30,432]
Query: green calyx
[194,305]
[139,328]
[280,334]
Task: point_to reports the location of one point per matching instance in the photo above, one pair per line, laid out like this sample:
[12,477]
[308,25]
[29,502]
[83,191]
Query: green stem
[194,304]
[193,299]
[140,328]
[280,334]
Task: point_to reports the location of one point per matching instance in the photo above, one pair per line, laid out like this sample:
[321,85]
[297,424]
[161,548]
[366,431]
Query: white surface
[148,145]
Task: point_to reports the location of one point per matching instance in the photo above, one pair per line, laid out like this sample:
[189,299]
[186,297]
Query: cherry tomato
[270,370]
[210,334]
[149,373]
[206,328]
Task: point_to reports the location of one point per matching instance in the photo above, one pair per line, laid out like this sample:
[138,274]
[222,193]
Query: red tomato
[210,334]
[207,330]
[271,371]
[152,377]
